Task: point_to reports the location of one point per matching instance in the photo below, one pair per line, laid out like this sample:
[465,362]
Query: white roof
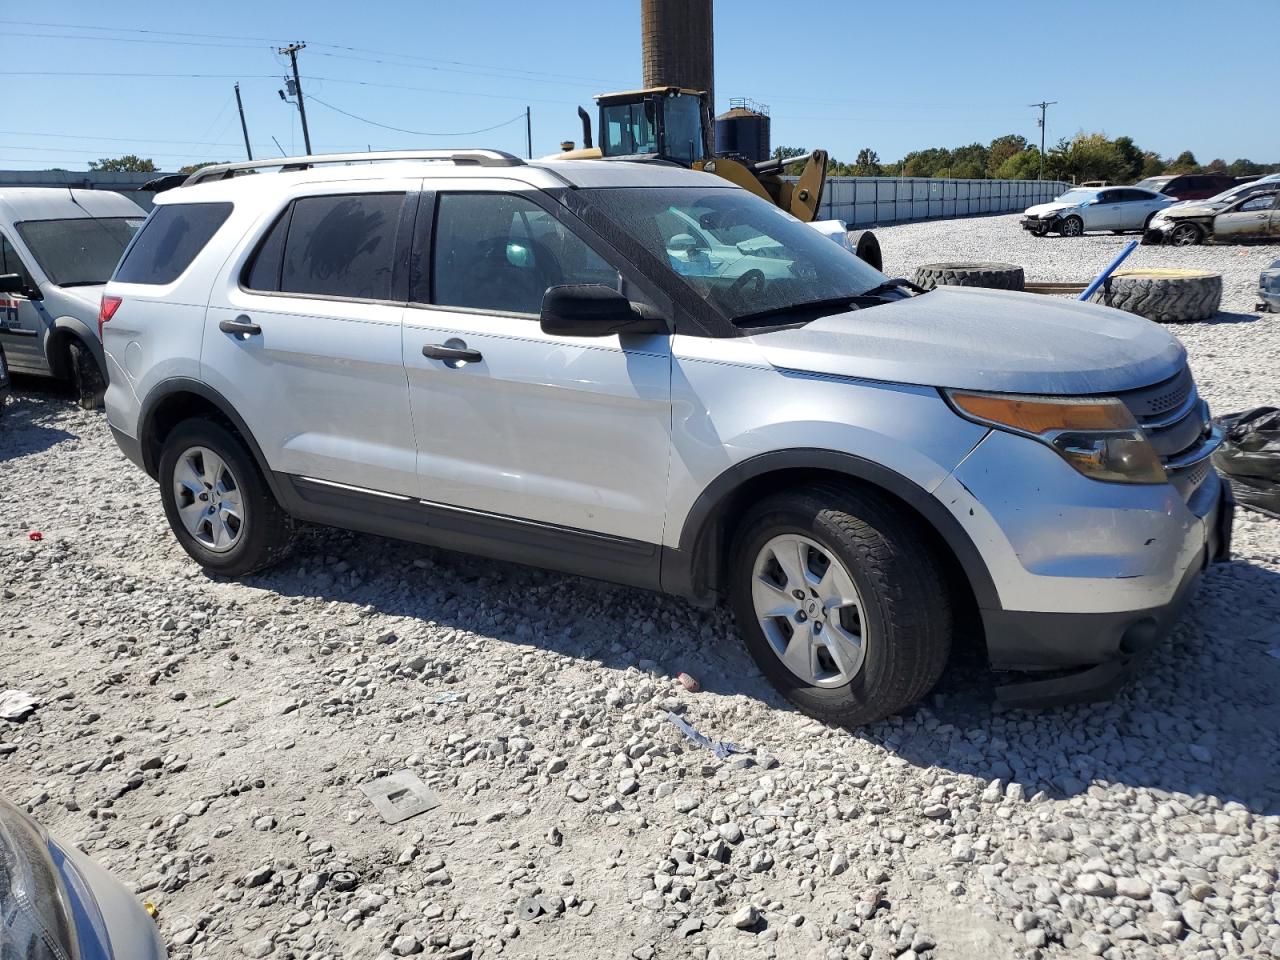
[63,203]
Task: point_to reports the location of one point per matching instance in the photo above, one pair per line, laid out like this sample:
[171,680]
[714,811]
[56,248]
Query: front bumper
[1086,574]
[1129,636]
[1038,223]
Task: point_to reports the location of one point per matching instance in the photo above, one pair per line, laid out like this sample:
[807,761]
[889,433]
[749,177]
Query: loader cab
[664,122]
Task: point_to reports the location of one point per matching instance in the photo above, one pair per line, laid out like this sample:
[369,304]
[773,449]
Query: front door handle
[443,351]
[242,325]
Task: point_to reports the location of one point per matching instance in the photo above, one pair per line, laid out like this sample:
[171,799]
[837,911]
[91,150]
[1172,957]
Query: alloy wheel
[209,499]
[809,610]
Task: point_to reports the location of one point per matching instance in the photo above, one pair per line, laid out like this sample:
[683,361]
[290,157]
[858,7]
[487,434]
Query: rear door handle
[241,324]
[441,351]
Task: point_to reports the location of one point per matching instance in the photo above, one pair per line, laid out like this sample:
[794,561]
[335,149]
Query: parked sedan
[1082,209]
[1236,215]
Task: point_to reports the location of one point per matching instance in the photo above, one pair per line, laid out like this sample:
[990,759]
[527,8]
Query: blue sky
[892,77]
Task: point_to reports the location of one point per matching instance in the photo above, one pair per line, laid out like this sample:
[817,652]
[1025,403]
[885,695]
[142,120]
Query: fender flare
[175,385]
[683,567]
[75,327]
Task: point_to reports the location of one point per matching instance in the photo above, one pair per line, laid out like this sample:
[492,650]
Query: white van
[58,247]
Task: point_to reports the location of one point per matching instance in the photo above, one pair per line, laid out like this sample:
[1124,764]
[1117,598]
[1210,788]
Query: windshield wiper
[893,284]
[808,306]
[82,283]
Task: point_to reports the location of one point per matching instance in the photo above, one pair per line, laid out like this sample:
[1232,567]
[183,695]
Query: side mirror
[683,243]
[12,283]
[593,310]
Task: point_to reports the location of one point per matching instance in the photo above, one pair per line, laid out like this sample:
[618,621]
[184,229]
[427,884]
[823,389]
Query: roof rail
[479,158]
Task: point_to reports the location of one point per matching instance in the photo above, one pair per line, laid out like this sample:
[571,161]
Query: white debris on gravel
[206,741]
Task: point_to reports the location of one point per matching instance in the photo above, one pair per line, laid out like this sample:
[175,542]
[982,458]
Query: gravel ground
[205,739]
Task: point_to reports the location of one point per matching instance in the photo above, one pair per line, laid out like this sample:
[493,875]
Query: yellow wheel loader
[672,123]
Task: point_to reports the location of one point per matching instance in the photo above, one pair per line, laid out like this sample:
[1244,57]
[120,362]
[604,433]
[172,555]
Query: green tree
[129,163]
[867,164]
[1002,149]
[1131,157]
[1021,166]
[1185,162]
[786,153]
[1152,165]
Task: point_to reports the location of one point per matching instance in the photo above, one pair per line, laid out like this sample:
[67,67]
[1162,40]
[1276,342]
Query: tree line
[1086,156]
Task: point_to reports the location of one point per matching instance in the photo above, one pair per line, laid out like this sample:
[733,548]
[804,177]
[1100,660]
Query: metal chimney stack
[679,48]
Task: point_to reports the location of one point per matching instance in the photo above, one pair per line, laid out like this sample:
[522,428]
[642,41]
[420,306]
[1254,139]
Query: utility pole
[1043,105]
[244,128]
[292,50]
[528,131]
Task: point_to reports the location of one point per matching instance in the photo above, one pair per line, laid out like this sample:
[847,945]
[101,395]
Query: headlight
[1096,435]
[35,920]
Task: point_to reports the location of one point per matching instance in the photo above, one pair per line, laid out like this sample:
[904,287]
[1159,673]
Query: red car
[1189,186]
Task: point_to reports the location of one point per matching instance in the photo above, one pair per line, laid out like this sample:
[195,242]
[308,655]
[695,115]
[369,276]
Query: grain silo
[743,131]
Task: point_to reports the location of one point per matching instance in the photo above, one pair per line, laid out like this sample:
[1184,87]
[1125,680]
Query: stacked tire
[1165,296]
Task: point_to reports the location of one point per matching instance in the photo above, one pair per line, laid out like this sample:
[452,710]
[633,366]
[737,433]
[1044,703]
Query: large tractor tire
[1165,296]
[995,276]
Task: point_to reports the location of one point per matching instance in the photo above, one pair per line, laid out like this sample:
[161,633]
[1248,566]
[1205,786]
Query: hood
[90,296]
[978,339]
[1053,206]
[1191,208]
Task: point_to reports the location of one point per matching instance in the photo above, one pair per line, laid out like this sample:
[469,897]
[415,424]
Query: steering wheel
[738,289]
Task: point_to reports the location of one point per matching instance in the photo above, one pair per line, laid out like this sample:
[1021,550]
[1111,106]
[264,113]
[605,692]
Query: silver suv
[644,374]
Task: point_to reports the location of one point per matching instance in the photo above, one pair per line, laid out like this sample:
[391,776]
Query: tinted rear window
[170,239]
[341,246]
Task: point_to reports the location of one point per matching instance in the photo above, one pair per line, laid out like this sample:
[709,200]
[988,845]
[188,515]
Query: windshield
[628,128]
[78,252]
[683,129]
[1154,183]
[1232,193]
[1077,196]
[738,252]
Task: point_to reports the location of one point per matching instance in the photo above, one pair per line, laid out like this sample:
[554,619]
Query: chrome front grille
[1176,421]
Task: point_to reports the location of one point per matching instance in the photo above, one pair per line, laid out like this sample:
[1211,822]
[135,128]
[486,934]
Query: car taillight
[106,310]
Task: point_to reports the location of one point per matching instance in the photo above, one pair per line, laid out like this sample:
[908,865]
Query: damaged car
[1269,289]
[1248,212]
[1084,209]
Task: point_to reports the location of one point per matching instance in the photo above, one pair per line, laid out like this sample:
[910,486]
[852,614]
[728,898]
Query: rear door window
[170,240]
[338,246]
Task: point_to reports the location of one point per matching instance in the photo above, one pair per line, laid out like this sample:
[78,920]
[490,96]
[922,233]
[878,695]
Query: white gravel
[205,740]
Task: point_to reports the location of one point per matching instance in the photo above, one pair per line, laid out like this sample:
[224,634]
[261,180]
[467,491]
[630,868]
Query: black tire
[995,276]
[1186,235]
[906,613]
[1071,226]
[1040,230]
[1165,296]
[867,248]
[86,378]
[265,531]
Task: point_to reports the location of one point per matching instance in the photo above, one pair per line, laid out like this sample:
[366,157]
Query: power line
[419,133]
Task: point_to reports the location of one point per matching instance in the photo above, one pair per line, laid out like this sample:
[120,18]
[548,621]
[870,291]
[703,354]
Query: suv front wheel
[840,602]
[218,502]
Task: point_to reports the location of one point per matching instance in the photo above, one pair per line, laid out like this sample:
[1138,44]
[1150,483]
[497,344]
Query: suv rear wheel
[840,603]
[218,502]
